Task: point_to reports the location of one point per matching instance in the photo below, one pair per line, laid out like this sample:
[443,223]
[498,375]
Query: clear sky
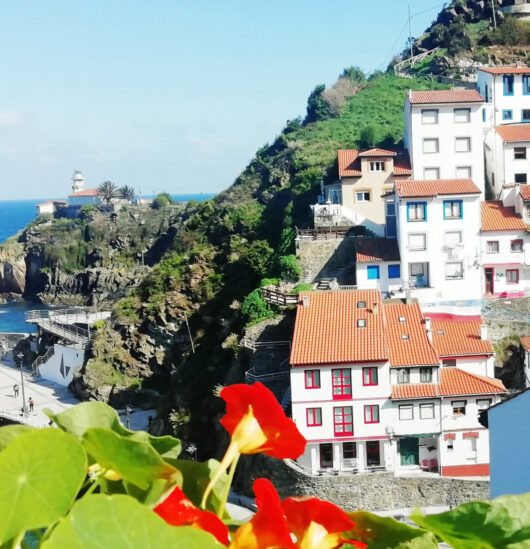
[171,95]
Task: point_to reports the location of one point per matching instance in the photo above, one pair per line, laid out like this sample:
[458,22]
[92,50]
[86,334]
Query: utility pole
[189,333]
[410,33]
[494,16]
[20,357]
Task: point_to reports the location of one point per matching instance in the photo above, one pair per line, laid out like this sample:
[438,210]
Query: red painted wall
[476,470]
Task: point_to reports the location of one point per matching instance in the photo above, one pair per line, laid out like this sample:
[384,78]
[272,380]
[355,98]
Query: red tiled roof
[326,330]
[456,382]
[86,192]
[459,338]
[348,164]
[51,202]
[377,249]
[514,132]
[496,217]
[378,152]
[445,96]
[506,70]
[414,390]
[416,350]
[412,188]
[525,342]
[525,192]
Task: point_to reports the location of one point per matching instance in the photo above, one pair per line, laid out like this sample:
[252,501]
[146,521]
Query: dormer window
[404,337]
[361,304]
[403,376]
[402,319]
[377,166]
[361,323]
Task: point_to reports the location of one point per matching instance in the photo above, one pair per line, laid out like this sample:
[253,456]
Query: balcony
[334,215]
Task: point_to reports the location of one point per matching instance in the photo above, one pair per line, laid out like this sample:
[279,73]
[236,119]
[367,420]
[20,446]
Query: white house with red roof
[505,252]
[444,135]
[81,196]
[378,265]
[355,199]
[50,206]
[372,389]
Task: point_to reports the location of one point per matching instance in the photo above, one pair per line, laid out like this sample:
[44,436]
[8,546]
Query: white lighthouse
[78,182]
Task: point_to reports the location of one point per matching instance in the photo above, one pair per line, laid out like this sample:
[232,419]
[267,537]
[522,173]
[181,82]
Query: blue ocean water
[14,216]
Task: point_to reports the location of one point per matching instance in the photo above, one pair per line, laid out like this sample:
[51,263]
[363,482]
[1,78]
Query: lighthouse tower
[78,182]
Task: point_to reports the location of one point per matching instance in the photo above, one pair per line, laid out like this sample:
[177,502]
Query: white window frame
[492,249]
[459,273]
[458,405]
[459,141]
[427,410]
[403,376]
[363,195]
[449,241]
[417,248]
[427,170]
[457,114]
[483,403]
[429,116]
[431,145]
[403,412]
[377,166]
[468,172]
[418,273]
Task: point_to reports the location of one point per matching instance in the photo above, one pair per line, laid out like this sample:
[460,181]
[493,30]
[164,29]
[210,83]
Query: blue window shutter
[394,271]
[373,272]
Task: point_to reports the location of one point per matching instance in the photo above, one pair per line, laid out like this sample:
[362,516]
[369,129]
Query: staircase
[42,359]
[61,323]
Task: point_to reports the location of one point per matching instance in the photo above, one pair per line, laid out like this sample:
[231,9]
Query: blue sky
[171,95]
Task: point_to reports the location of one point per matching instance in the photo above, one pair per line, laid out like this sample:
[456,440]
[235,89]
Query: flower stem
[226,493]
[232,452]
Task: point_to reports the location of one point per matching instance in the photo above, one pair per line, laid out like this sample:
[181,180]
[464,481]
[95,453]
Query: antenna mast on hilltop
[410,34]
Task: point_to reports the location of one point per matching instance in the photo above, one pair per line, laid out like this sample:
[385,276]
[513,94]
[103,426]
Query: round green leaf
[41,473]
[120,522]
[9,433]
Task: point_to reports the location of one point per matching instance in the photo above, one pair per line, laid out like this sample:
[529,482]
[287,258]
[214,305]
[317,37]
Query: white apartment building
[507,94]
[438,224]
[444,135]
[370,391]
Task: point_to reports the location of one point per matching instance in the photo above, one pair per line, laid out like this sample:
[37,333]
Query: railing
[67,316]
[18,417]
[334,214]
[411,61]
[279,298]
[264,378]
[255,345]
[324,233]
[68,331]
[42,359]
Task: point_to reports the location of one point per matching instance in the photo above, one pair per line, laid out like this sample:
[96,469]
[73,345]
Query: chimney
[305,301]
[428,328]
[484,332]
[375,308]
[408,298]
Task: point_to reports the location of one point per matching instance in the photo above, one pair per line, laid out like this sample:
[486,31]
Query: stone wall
[9,340]
[373,492]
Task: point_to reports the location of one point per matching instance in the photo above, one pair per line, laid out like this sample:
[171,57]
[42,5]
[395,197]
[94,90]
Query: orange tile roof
[525,192]
[414,390]
[455,382]
[514,132]
[506,70]
[412,188]
[525,342]
[496,217]
[378,152]
[445,96]
[417,349]
[377,249]
[451,338]
[326,331]
[86,192]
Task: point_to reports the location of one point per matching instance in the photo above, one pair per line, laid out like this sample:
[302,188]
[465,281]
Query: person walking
[31,404]
[15,389]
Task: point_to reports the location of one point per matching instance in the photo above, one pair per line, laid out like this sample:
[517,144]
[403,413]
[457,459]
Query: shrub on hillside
[367,137]
[255,309]
[317,106]
[161,200]
[511,32]
[337,96]
[289,268]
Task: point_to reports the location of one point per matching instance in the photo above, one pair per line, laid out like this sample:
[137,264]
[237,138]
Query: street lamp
[20,356]
[128,412]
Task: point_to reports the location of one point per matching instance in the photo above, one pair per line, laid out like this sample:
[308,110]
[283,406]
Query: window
[314,417]
[525,115]
[462,144]
[406,412]
[417,211]
[362,196]
[470,446]
[326,455]
[361,304]
[453,209]
[516,245]
[403,376]
[429,116]
[369,376]
[492,247]
[483,115]
[371,413]
[462,115]
[430,174]
[312,379]
[453,237]
[449,363]
[343,421]
[454,270]
[373,457]
[450,446]
[373,272]
[394,271]
[390,208]
[349,450]
[427,411]
[361,323]
[512,276]
[377,166]
[507,114]
[459,407]
[425,375]
[335,196]
[341,383]
[520,178]
[463,172]
[483,403]
[486,94]
[430,145]
[507,84]
[526,84]
[519,153]
[417,241]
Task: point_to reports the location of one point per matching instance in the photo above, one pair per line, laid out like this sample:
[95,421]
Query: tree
[107,191]
[355,74]
[367,138]
[127,193]
[161,200]
[317,108]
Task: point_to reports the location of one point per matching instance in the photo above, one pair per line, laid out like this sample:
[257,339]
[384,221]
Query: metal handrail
[251,376]
[66,330]
[42,359]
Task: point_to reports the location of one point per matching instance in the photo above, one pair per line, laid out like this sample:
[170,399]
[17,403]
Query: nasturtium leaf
[388,533]
[503,522]
[41,473]
[120,522]
[167,446]
[11,432]
[136,462]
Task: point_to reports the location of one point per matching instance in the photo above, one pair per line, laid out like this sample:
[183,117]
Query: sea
[14,216]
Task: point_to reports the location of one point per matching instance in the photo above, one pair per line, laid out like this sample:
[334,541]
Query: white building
[444,135]
[378,265]
[504,251]
[50,206]
[370,390]
[438,224]
[81,196]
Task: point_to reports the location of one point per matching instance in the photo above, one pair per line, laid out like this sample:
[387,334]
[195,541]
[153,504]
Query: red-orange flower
[257,422]
[317,524]
[268,527]
[178,510]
